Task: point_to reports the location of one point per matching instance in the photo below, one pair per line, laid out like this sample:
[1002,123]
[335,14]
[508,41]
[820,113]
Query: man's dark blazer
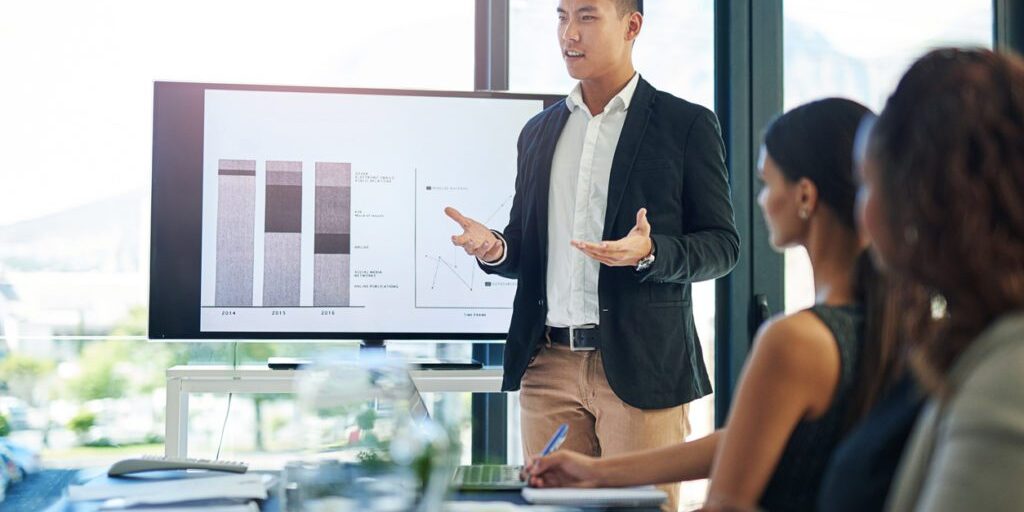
[670,159]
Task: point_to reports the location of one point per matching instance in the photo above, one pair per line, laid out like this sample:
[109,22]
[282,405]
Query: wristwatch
[646,262]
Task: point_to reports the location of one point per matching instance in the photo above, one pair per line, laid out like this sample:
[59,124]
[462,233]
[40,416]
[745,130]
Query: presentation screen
[316,213]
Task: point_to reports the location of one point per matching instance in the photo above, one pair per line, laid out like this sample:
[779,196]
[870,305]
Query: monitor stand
[367,348]
[372,347]
[377,347]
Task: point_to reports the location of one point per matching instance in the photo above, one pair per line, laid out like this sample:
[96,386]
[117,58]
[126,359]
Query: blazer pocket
[667,294]
[651,164]
[658,180]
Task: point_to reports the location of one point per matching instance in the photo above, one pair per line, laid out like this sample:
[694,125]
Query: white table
[183,380]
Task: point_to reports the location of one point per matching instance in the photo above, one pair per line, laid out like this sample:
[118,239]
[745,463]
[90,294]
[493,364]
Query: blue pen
[556,440]
[553,443]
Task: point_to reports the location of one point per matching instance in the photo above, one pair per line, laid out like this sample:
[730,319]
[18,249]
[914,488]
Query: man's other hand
[476,239]
[625,252]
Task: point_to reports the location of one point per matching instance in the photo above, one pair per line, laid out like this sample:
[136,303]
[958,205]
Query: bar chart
[282,253]
[262,264]
[332,254]
[236,215]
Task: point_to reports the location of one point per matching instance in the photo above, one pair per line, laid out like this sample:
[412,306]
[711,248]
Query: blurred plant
[98,377]
[23,373]
[102,442]
[116,367]
[134,324]
[373,459]
[5,426]
[81,423]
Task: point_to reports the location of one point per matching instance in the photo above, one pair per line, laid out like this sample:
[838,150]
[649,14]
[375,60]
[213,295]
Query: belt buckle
[572,338]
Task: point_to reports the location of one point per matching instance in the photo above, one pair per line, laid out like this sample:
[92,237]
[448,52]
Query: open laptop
[488,477]
[478,477]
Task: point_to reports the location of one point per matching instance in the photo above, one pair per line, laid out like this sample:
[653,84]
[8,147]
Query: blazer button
[540,302]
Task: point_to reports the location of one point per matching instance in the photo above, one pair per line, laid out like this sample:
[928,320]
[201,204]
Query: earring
[910,235]
[804,214]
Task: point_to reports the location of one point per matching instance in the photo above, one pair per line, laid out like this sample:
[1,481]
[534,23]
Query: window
[74,190]
[859,50]
[675,50]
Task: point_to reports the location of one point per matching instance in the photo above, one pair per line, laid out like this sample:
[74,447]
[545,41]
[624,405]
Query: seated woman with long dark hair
[944,203]
[811,374]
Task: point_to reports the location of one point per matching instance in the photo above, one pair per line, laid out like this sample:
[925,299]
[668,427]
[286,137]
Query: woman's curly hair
[949,150]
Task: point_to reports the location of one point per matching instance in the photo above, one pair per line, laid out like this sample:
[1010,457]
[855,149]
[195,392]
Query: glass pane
[675,52]
[859,50]
[74,187]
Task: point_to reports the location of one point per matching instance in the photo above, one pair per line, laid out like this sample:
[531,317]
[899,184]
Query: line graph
[447,277]
[451,267]
[504,207]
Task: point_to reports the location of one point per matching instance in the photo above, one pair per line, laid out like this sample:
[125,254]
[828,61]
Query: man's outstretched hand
[476,239]
[624,252]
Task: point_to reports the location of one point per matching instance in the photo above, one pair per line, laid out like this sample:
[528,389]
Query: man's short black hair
[625,7]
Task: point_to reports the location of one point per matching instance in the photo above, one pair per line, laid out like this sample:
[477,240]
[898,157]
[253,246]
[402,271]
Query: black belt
[583,338]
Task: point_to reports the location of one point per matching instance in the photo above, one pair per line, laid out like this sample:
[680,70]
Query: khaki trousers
[562,386]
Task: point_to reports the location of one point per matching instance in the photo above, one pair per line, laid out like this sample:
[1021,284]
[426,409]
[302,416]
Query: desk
[183,380]
[43,491]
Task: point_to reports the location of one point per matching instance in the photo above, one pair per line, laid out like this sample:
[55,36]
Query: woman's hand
[564,469]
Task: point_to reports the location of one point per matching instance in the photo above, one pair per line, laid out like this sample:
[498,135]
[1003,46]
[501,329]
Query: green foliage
[135,324]
[101,362]
[150,360]
[82,422]
[371,439]
[98,378]
[102,442]
[21,366]
[423,464]
[254,352]
[5,426]
[366,419]
[22,374]
[372,459]
[277,423]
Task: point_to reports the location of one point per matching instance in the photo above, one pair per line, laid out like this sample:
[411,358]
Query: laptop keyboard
[487,474]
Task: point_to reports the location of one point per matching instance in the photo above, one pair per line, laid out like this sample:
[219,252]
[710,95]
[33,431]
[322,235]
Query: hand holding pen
[561,469]
[556,440]
[566,468]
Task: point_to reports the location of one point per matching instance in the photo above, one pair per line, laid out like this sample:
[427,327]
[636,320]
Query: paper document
[605,497]
[247,486]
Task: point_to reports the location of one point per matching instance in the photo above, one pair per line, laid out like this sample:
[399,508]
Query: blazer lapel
[552,131]
[633,129]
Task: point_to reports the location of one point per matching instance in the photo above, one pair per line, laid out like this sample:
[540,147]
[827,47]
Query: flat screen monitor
[317,213]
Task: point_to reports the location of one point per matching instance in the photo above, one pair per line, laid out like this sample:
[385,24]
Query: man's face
[595,40]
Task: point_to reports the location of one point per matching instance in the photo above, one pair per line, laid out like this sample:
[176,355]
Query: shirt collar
[623,98]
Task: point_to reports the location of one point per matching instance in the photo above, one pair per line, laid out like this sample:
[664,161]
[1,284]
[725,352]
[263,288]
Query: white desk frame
[184,380]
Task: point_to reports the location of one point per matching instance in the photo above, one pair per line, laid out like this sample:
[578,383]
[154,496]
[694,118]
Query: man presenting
[621,201]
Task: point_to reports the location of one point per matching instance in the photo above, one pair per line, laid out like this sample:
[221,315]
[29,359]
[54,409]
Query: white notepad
[162,492]
[647,496]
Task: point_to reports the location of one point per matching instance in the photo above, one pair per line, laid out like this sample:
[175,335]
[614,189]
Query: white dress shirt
[577,200]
